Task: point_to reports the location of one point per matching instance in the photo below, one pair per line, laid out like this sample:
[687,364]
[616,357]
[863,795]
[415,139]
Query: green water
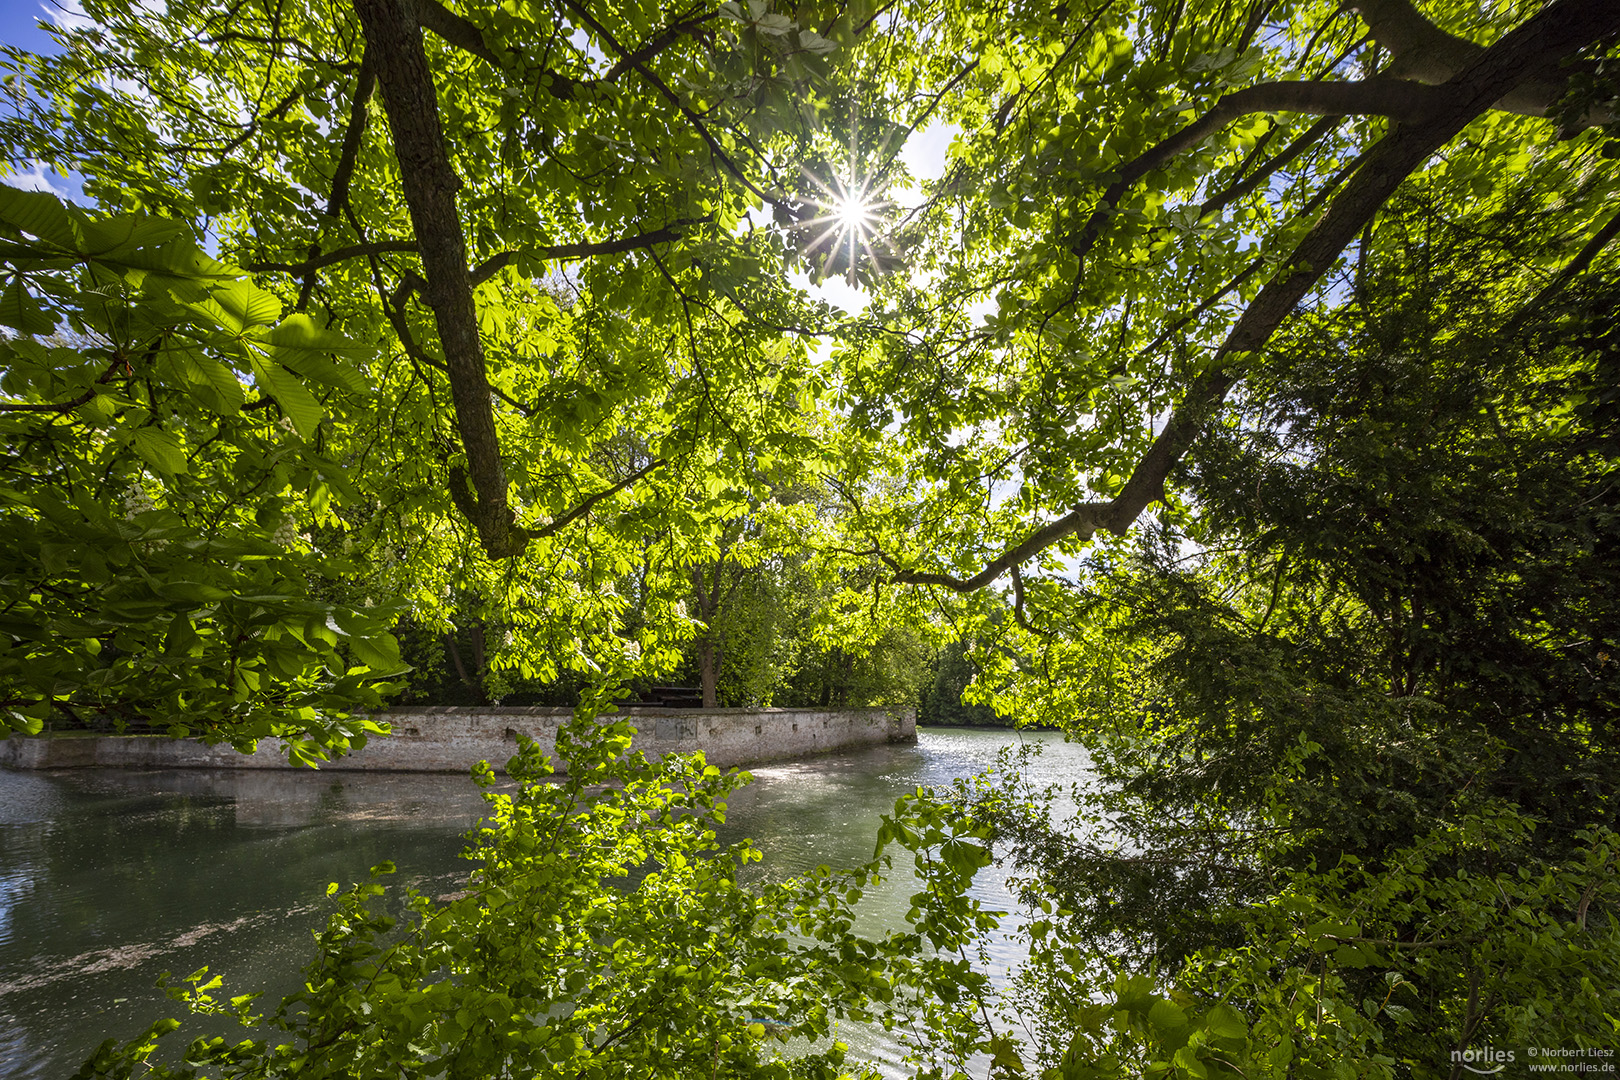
[109,877]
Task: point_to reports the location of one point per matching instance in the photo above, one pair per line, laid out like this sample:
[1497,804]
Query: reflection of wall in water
[452,739]
[283,798]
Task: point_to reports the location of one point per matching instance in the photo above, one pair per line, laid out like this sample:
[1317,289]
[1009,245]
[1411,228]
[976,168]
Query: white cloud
[66,15]
[36,179]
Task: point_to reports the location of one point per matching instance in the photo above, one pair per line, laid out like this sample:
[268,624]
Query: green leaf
[1168,1022]
[160,450]
[249,304]
[38,213]
[20,311]
[1226,1022]
[379,653]
[297,402]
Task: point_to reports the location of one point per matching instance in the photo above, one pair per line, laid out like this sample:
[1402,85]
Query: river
[109,878]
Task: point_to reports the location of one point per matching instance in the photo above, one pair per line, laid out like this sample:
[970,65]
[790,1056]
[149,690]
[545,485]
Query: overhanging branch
[1377,96]
[1424,53]
[1556,33]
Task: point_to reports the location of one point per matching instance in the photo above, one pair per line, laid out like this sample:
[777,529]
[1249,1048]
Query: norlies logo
[1485,1060]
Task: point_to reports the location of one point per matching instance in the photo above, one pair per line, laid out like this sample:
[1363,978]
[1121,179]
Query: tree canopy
[557,240]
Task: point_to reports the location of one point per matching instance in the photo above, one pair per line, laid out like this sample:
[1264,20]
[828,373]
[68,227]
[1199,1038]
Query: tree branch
[1311,136]
[1573,269]
[69,405]
[320,262]
[454,29]
[584,508]
[1557,32]
[338,198]
[1424,53]
[495,263]
[673,98]
[671,232]
[1377,96]
[683,25]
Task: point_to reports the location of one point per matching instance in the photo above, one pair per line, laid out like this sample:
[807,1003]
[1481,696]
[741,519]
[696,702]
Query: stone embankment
[452,738]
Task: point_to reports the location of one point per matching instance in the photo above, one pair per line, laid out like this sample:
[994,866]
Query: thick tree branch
[454,29]
[410,100]
[1556,33]
[365,82]
[1424,53]
[1377,96]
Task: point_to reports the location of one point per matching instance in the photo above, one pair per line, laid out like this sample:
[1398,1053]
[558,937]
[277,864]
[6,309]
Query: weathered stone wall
[451,739]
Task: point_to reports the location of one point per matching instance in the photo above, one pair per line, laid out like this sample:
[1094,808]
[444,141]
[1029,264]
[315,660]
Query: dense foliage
[1363,751]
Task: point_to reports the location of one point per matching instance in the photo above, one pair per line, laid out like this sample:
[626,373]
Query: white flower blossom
[286,533]
[136,501]
[286,424]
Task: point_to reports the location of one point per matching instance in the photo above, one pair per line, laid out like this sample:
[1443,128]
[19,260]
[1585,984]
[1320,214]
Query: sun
[855,213]
[846,220]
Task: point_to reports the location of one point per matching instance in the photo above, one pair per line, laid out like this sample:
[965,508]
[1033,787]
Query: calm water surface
[109,877]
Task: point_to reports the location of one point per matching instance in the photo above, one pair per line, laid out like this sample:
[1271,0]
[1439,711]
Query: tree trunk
[476,685]
[709,672]
[394,40]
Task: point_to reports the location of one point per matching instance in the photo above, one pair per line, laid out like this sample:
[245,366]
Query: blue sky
[19,24]
[19,27]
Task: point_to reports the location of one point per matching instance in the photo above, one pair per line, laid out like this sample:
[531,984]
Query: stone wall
[452,738]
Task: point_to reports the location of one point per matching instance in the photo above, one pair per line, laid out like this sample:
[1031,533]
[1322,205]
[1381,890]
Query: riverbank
[451,739]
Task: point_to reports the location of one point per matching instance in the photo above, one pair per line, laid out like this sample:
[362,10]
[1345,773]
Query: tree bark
[709,672]
[708,605]
[394,42]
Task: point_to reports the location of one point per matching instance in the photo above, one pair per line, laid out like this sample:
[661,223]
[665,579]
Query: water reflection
[108,878]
